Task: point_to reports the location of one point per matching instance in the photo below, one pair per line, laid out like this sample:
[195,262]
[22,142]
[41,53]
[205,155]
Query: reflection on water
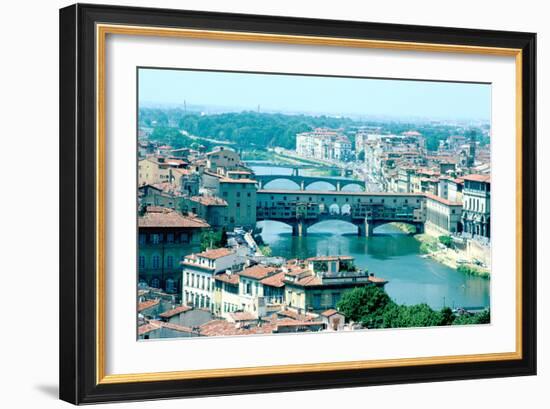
[389,254]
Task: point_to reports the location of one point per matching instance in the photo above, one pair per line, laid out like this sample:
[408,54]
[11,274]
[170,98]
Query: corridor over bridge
[304,181]
[366,210]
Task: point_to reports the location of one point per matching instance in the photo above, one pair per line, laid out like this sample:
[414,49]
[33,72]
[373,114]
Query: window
[141,262]
[170,237]
[155,238]
[316,300]
[142,239]
[156,261]
[169,262]
[238,194]
[184,238]
[224,194]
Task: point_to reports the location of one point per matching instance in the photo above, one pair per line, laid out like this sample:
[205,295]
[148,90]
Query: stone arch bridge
[366,210]
[304,181]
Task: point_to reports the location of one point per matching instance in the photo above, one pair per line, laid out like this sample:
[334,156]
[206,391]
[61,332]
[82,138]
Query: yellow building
[157,169]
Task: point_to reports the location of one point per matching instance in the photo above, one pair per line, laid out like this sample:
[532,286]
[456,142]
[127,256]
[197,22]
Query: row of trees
[262,130]
[373,308]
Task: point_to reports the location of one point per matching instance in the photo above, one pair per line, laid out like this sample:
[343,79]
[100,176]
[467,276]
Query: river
[389,254]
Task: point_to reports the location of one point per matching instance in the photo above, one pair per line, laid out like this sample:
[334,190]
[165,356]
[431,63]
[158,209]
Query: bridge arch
[320,185]
[352,187]
[408,228]
[295,185]
[345,221]
[325,182]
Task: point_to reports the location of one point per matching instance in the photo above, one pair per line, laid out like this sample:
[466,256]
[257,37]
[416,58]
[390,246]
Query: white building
[199,271]
[323,143]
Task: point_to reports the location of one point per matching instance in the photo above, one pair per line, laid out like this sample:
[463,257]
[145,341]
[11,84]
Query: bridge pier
[365,229]
[299,229]
[302,185]
[338,187]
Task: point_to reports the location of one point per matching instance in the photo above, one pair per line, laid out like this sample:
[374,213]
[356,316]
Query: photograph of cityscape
[284,203]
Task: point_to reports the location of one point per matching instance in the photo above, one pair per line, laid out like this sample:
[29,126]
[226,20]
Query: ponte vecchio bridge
[304,181]
[367,210]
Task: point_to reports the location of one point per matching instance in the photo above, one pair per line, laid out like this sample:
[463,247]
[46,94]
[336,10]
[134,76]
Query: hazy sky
[395,98]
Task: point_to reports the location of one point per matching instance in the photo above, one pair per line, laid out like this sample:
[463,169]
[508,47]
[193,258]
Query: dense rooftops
[162,217]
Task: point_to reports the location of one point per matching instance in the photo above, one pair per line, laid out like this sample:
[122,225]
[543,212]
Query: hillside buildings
[325,144]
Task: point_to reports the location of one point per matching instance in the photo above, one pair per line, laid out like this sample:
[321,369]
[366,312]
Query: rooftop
[175,311]
[147,304]
[214,254]
[162,217]
[329,313]
[227,278]
[275,280]
[242,316]
[258,272]
[442,200]
[222,327]
[209,200]
[478,178]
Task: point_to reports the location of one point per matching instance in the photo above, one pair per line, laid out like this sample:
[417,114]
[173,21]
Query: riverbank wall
[458,257]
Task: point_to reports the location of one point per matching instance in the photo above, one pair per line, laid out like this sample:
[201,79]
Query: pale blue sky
[293,93]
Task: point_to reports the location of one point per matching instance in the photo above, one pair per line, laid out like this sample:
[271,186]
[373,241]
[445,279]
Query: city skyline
[338,96]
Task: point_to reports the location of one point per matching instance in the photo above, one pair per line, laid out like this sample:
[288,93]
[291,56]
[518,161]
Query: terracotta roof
[309,280]
[296,323]
[225,328]
[329,313]
[243,180]
[242,316]
[214,254]
[209,200]
[275,280]
[478,178]
[162,217]
[295,316]
[442,200]
[175,311]
[176,327]
[145,328]
[227,278]
[258,272]
[147,304]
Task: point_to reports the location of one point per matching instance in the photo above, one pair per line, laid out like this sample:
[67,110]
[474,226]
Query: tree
[446,240]
[266,251]
[404,316]
[364,304]
[483,317]
[361,156]
[211,239]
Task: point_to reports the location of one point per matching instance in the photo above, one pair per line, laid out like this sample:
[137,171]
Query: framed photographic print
[257,203]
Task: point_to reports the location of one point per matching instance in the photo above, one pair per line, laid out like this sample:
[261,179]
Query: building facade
[165,237]
[199,272]
[476,196]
